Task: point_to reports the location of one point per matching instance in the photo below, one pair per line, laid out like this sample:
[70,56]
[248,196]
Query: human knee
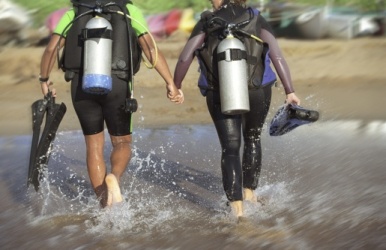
[231,147]
[121,141]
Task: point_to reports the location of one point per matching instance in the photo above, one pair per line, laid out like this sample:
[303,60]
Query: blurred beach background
[324,182]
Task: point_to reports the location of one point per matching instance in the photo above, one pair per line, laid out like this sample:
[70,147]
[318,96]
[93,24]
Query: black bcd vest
[123,35]
[215,34]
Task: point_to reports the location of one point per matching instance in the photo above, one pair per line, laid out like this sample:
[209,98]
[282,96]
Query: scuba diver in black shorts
[122,29]
[240,176]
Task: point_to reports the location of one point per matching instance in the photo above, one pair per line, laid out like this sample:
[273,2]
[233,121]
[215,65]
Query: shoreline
[156,111]
[343,80]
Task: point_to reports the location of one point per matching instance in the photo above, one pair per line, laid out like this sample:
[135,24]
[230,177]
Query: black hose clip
[131,105]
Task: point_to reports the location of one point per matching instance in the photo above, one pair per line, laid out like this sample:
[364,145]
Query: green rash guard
[137,21]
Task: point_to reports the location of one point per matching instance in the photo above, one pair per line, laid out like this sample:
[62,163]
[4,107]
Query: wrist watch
[43,79]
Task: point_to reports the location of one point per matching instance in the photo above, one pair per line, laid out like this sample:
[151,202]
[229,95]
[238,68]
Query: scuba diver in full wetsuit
[240,177]
[93,110]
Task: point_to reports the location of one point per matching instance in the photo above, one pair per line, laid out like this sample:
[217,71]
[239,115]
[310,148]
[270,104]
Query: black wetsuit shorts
[95,110]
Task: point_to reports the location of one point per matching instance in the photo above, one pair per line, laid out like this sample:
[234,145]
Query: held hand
[45,88]
[292,98]
[174,94]
[181,96]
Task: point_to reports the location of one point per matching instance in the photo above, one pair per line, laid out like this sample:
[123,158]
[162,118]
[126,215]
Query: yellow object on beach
[187,21]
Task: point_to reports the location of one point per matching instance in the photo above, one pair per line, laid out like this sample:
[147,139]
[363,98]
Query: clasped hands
[175,95]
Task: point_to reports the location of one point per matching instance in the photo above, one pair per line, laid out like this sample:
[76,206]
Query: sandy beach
[323,183]
[343,79]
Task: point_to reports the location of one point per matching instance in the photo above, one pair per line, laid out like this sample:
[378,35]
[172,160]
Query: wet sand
[342,79]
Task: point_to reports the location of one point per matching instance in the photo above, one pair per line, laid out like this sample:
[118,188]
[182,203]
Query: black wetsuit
[102,108]
[238,173]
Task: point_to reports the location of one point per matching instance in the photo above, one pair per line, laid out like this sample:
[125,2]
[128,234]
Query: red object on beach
[157,25]
[172,21]
[53,18]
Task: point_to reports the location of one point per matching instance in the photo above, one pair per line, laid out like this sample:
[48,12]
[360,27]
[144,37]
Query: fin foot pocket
[289,117]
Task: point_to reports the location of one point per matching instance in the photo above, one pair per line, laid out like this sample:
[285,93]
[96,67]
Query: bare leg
[120,158]
[121,154]
[96,165]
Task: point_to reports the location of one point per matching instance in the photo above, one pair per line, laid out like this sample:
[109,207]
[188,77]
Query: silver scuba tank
[233,76]
[97,56]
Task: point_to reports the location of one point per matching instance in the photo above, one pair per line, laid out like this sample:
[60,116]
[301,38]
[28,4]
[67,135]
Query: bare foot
[249,195]
[113,190]
[237,208]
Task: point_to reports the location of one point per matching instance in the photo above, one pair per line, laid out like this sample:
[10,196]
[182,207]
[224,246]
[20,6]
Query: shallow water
[323,185]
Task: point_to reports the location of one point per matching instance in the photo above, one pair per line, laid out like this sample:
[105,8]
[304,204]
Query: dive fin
[38,110]
[289,117]
[54,115]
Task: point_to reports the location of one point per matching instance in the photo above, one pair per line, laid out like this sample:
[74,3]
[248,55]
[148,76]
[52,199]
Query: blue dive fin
[289,117]
[40,148]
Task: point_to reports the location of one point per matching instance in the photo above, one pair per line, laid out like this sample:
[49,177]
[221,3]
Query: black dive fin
[54,115]
[39,108]
[289,117]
